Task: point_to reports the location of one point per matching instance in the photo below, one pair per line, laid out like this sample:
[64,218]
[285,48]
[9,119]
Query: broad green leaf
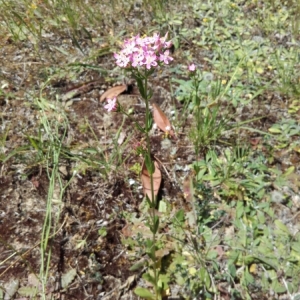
[277,286]
[232,270]
[163,281]
[289,171]
[269,261]
[148,277]
[212,254]
[27,291]
[259,70]
[275,130]
[102,231]
[248,259]
[179,216]
[205,277]
[175,22]
[200,174]
[281,227]
[248,277]
[239,209]
[192,271]
[162,206]
[296,247]
[144,293]
[233,257]
[138,265]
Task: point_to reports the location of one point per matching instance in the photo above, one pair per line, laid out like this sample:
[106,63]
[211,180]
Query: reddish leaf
[132,230]
[35,182]
[114,92]
[255,142]
[188,189]
[127,230]
[223,292]
[220,251]
[161,120]
[146,181]
[162,252]
[168,247]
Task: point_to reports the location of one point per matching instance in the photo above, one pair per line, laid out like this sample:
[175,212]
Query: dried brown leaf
[188,189]
[127,230]
[131,230]
[114,92]
[146,180]
[161,120]
[166,250]
[162,252]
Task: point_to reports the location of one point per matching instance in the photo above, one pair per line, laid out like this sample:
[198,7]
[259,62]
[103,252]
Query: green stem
[197,112]
[152,211]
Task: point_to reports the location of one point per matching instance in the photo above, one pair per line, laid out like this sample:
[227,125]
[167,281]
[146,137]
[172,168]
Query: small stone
[277,197]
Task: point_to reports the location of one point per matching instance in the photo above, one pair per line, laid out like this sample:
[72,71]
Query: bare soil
[93,197]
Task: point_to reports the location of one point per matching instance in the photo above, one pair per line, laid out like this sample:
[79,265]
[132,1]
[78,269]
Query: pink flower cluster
[147,51]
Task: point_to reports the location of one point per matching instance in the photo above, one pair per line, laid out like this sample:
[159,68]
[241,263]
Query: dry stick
[38,243]
[163,166]
[8,258]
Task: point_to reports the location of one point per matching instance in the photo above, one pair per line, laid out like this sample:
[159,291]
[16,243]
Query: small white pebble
[131,181]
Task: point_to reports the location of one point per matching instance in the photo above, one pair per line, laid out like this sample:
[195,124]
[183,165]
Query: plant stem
[152,211]
[197,113]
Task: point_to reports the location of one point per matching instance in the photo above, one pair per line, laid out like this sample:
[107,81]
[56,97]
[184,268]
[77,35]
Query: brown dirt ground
[92,199]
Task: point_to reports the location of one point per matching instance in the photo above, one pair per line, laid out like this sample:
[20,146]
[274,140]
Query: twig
[163,167]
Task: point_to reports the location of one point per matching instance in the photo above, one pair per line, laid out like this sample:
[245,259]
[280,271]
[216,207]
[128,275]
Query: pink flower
[192,67]
[131,47]
[164,41]
[150,60]
[140,41]
[138,58]
[165,57]
[122,59]
[111,104]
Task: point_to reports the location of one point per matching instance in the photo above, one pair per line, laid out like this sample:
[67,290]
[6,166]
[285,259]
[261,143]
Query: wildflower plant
[141,56]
